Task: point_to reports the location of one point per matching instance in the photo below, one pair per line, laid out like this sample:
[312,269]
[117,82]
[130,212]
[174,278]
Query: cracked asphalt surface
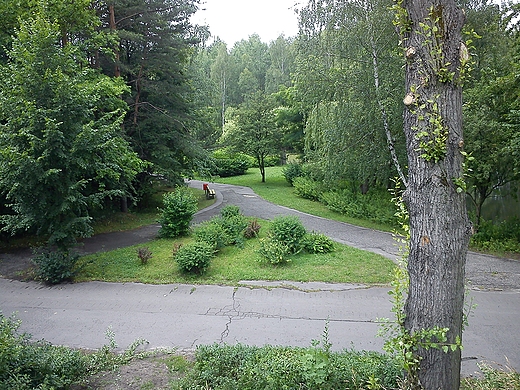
[257,313]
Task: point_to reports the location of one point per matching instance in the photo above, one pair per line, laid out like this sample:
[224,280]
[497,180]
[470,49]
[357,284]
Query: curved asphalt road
[287,313]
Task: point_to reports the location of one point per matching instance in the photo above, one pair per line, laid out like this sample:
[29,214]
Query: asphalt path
[257,313]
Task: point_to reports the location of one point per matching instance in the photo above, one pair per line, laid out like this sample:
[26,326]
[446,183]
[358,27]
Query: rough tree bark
[439,226]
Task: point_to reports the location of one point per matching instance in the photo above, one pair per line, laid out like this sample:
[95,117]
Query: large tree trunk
[113,28]
[439,226]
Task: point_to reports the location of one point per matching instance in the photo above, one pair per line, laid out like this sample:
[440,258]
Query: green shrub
[498,237]
[234,224]
[194,257]
[307,188]
[234,228]
[223,231]
[25,364]
[274,252]
[318,243]
[272,161]
[374,206]
[346,202]
[179,206]
[314,171]
[289,231]
[37,365]
[230,164]
[213,233]
[230,211]
[291,171]
[221,365]
[56,266]
[243,367]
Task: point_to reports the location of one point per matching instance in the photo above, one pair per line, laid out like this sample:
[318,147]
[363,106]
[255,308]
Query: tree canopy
[62,151]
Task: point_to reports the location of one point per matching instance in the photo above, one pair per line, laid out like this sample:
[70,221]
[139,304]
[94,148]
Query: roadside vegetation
[238,249]
[36,365]
[233,257]
[102,101]
[27,364]
[373,210]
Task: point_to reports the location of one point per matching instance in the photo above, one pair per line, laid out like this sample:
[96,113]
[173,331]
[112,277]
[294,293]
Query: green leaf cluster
[62,153]
[179,206]
[275,367]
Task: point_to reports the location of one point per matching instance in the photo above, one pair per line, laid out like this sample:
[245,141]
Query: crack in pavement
[233,313]
[234,308]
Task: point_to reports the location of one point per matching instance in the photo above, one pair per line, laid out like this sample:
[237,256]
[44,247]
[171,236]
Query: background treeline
[101,98]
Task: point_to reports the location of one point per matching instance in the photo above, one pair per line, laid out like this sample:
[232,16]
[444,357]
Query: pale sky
[234,20]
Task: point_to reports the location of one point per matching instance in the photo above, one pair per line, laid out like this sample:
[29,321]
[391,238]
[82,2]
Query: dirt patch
[150,372]
[17,265]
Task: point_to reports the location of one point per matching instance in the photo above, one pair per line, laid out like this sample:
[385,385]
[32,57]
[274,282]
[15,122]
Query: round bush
[289,231]
[307,188]
[212,232]
[292,171]
[179,207]
[318,243]
[235,227]
[230,164]
[194,257]
[54,267]
[274,252]
[230,211]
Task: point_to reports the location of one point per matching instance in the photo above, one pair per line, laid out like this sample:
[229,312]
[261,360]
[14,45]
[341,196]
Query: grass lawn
[345,265]
[232,264]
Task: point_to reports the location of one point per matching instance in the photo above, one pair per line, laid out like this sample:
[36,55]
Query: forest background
[100,100]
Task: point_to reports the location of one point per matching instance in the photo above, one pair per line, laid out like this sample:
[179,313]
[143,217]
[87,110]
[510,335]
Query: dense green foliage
[54,267]
[274,367]
[90,91]
[374,205]
[498,237]
[28,365]
[274,252]
[212,232]
[307,188]
[230,164]
[227,229]
[155,41]
[36,365]
[195,257]
[287,236]
[291,171]
[491,103]
[255,132]
[61,151]
[289,231]
[179,206]
[318,243]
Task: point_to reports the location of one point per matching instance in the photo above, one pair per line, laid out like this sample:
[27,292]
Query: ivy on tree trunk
[439,225]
